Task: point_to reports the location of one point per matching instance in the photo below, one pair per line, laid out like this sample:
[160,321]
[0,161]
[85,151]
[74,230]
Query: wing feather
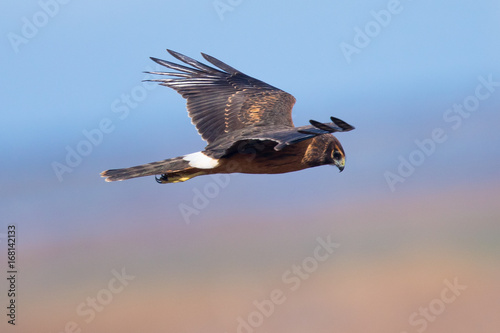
[283,136]
[223,100]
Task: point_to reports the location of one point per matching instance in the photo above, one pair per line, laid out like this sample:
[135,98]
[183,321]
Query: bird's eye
[337,155]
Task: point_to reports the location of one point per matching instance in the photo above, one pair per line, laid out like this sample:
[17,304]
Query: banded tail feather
[172,170]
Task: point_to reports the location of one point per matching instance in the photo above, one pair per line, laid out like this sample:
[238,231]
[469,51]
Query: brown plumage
[247,124]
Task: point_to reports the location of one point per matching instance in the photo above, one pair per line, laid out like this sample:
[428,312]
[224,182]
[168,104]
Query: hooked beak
[340,165]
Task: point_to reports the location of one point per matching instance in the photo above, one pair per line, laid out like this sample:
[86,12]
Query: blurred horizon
[415,210]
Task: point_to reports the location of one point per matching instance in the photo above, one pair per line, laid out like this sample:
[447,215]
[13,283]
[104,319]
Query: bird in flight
[247,124]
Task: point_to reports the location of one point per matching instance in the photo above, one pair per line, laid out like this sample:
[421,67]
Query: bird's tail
[173,170]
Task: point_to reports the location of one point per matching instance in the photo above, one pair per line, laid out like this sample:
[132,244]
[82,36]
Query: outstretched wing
[282,136]
[222,101]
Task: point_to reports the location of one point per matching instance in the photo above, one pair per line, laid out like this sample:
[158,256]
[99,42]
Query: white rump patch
[201,161]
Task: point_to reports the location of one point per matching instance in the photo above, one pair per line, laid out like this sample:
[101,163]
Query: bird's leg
[163,179]
[169,178]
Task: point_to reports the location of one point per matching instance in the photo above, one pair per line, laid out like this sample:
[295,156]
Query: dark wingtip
[323,127]
[158,61]
[220,64]
[173,53]
[181,57]
[314,122]
[342,124]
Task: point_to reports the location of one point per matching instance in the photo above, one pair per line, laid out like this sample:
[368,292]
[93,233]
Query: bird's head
[335,154]
[325,150]
[338,156]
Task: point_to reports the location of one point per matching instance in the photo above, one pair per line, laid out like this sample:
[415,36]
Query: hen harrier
[247,124]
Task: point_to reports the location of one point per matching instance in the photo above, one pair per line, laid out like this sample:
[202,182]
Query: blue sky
[414,61]
[68,70]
